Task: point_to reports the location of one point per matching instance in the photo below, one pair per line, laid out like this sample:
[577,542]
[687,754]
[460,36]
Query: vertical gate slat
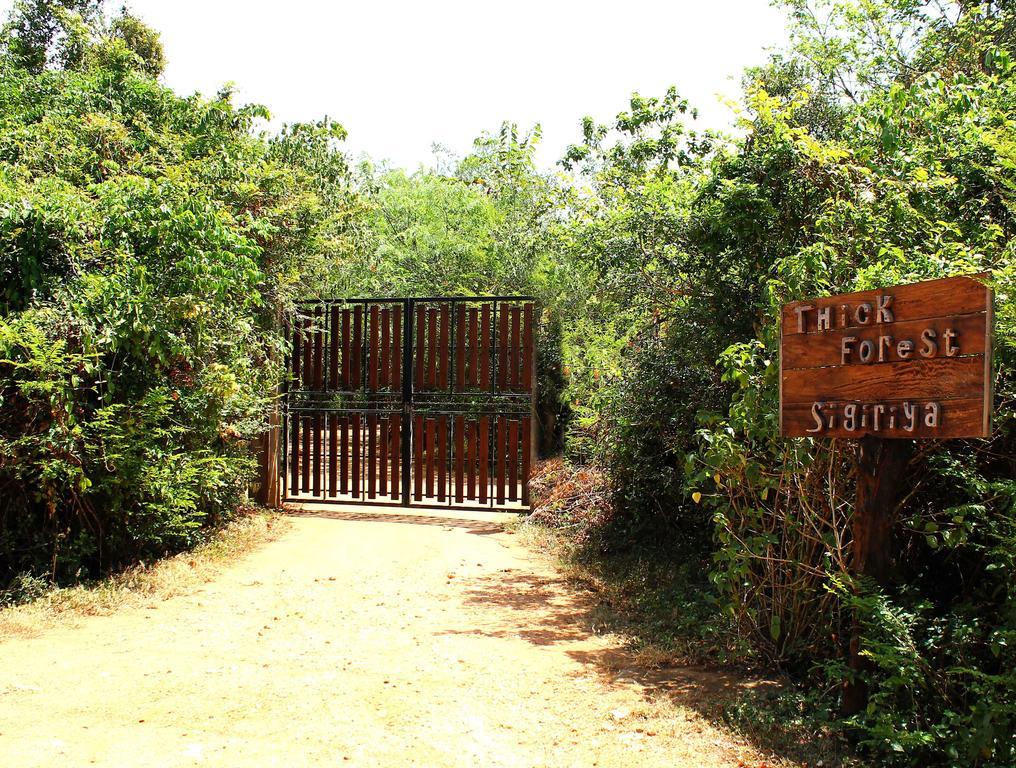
[485,346]
[356,451]
[319,351]
[396,380]
[333,453]
[382,456]
[372,358]
[421,344]
[308,356]
[527,448]
[460,449]
[513,460]
[396,449]
[500,449]
[318,366]
[356,372]
[317,454]
[417,467]
[484,445]
[346,380]
[444,349]
[502,348]
[527,349]
[514,349]
[372,456]
[386,346]
[431,348]
[442,457]
[305,464]
[294,470]
[460,347]
[344,457]
[429,448]
[474,342]
[297,352]
[333,348]
[470,459]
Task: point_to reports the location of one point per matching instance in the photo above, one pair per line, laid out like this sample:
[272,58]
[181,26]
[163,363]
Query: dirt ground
[360,637]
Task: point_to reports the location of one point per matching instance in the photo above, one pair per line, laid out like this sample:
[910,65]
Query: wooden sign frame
[909,361]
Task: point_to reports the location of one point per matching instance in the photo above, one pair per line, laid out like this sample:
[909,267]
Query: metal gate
[410,401]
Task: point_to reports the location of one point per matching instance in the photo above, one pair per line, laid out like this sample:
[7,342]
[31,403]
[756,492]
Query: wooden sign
[912,361]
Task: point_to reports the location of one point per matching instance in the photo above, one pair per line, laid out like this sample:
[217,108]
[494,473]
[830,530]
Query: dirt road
[358,638]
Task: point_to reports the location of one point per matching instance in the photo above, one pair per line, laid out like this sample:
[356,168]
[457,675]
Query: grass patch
[141,584]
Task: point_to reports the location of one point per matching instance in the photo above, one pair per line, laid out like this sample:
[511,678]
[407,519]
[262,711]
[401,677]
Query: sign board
[911,361]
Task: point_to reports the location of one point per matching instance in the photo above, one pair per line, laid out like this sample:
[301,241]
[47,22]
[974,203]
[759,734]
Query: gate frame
[408,303]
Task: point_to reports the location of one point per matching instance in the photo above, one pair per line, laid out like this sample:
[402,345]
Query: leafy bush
[147,243]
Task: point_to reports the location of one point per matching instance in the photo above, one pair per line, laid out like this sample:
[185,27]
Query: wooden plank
[396,379]
[333,349]
[955,418]
[460,449]
[429,446]
[319,351]
[485,312]
[316,449]
[305,464]
[503,363]
[308,355]
[356,367]
[421,346]
[483,443]
[418,464]
[344,456]
[514,350]
[814,350]
[501,449]
[333,454]
[474,343]
[527,455]
[460,347]
[396,451]
[471,459]
[294,454]
[346,378]
[513,460]
[442,457]
[372,456]
[528,349]
[929,379]
[432,348]
[444,349]
[386,347]
[382,456]
[917,301]
[356,426]
[373,367]
[297,353]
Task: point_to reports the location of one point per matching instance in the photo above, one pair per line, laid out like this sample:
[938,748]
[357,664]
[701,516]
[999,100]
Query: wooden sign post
[886,367]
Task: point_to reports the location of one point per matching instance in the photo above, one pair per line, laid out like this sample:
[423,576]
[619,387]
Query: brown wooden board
[909,361]
[527,349]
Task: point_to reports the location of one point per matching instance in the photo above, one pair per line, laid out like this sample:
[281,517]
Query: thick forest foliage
[150,242]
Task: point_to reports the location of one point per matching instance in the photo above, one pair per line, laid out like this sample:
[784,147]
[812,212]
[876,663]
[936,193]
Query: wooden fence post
[880,467]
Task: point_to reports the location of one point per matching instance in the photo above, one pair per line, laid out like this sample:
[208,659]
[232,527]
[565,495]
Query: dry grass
[143,584]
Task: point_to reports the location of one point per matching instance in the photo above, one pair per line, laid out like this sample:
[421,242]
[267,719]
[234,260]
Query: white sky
[402,75]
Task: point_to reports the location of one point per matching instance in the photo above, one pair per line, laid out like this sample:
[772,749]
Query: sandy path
[359,638]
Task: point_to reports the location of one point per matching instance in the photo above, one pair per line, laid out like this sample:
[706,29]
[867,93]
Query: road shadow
[476,527]
[552,611]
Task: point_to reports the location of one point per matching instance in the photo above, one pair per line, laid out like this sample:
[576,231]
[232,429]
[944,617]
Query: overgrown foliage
[877,150]
[146,243]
